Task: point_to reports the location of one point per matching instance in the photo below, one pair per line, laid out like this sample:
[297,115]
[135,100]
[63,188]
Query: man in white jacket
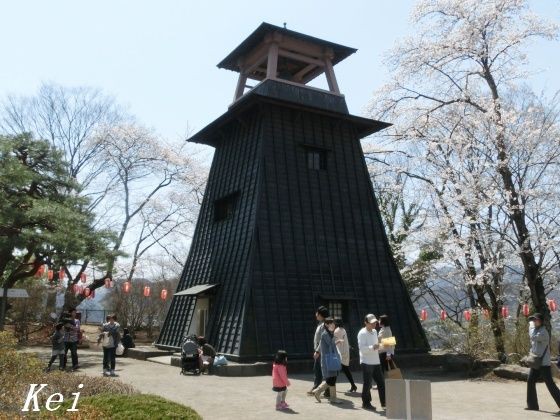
[368,344]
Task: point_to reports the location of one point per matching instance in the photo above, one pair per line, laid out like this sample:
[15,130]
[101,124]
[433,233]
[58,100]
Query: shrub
[476,340]
[138,406]
[473,339]
[19,370]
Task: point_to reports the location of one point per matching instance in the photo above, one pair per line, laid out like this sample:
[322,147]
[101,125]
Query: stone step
[146,352]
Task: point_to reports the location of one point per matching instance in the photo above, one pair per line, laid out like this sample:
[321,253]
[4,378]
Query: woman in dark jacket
[540,346]
[110,337]
[327,347]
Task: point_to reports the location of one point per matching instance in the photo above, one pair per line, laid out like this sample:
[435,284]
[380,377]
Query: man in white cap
[368,344]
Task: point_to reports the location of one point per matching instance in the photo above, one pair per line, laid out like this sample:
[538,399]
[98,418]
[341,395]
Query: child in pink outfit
[280,381]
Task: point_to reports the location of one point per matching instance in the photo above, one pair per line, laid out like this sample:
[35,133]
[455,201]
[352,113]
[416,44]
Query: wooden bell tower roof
[276,53]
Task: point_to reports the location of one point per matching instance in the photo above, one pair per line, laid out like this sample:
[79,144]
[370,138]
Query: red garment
[279,376]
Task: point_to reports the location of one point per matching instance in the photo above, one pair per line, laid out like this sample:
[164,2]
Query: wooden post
[240,85]
[272,64]
[331,78]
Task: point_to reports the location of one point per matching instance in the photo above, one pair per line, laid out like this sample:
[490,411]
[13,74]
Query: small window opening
[224,207]
[317,159]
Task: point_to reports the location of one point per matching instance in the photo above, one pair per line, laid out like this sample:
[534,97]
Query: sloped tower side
[319,238]
[220,251]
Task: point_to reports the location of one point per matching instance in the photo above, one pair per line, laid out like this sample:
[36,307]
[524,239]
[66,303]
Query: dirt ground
[39,335]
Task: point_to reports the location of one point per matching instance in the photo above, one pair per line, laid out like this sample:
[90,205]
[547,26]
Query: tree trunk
[498,330]
[70,300]
[517,216]
[51,301]
[3,306]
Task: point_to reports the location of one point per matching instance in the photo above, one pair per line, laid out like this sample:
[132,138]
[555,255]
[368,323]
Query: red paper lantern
[147,291]
[87,291]
[442,315]
[83,277]
[108,283]
[467,315]
[61,274]
[505,311]
[75,288]
[423,314]
[163,294]
[525,309]
[92,295]
[552,305]
[126,287]
[50,275]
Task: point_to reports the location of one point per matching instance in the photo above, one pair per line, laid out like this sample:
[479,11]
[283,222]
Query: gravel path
[217,397]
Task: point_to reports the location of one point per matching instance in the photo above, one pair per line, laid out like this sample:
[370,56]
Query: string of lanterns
[87,292]
[504,311]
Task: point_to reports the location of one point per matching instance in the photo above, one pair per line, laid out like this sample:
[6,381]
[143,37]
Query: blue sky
[159,58]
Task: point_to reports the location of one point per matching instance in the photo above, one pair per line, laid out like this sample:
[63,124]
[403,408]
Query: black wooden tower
[289,219]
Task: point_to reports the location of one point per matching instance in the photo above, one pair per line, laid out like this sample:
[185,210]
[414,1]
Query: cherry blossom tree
[154,196]
[483,146]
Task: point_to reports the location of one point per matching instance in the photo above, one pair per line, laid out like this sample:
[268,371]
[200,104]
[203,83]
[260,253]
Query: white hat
[371,319]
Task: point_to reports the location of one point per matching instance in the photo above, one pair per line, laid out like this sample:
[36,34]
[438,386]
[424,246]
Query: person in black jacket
[207,355]
[127,341]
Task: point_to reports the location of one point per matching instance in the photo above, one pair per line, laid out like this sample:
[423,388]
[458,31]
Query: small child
[280,381]
[57,340]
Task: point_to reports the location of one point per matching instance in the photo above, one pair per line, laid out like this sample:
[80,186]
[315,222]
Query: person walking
[368,345]
[540,346]
[71,338]
[386,353]
[343,346]
[57,341]
[327,348]
[320,316]
[280,381]
[110,339]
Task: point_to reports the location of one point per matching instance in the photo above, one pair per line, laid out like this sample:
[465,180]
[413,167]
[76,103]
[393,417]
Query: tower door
[199,320]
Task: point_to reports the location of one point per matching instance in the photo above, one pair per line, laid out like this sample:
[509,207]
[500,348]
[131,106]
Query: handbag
[333,362]
[107,340]
[120,350]
[393,372]
[533,361]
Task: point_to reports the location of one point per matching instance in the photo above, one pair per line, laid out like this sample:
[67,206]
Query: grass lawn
[137,406]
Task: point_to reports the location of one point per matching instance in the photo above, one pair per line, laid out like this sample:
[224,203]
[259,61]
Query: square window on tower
[224,207]
[335,309]
[316,159]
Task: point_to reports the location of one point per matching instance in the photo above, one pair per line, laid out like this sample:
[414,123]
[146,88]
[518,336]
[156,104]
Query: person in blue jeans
[110,338]
[320,315]
[327,347]
[368,344]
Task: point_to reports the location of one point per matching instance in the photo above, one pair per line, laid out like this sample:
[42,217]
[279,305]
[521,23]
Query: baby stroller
[190,357]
